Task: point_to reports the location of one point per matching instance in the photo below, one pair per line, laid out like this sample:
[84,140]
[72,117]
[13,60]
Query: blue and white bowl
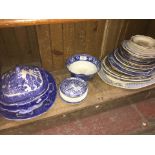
[83,66]
[73,90]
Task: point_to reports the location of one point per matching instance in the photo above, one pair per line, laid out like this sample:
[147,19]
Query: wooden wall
[18,45]
[52,44]
[59,41]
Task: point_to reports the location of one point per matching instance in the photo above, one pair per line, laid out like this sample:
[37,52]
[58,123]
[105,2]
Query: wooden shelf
[100,97]
[28,22]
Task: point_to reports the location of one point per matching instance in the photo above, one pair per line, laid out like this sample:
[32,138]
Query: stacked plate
[131,66]
[26,92]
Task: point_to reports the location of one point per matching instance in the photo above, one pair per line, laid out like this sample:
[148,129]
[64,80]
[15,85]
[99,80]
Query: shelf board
[100,97]
[28,22]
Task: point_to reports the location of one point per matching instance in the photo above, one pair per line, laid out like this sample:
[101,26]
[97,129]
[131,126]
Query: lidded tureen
[25,92]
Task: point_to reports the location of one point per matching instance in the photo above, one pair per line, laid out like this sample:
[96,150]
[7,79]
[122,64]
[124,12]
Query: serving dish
[73,90]
[25,103]
[83,66]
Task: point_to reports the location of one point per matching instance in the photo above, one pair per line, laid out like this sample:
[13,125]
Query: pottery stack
[26,92]
[132,65]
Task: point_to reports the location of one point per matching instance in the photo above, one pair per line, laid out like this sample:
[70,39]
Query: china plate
[126,70]
[118,75]
[123,84]
[131,64]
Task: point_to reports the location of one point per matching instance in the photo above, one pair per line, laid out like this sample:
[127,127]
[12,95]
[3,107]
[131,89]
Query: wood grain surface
[52,44]
[100,96]
[29,22]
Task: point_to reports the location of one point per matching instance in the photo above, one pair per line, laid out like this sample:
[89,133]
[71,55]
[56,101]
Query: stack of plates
[26,92]
[131,66]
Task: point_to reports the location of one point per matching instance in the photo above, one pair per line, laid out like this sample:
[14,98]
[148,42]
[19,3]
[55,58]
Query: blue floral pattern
[27,91]
[83,57]
[73,87]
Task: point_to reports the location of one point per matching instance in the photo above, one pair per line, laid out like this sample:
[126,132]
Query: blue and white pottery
[115,64]
[73,90]
[123,84]
[26,92]
[132,65]
[83,66]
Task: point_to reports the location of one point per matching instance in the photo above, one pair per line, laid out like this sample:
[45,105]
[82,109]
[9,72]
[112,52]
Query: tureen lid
[73,87]
[21,83]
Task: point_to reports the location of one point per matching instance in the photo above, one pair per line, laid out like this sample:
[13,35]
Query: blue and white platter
[123,84]
[27,92]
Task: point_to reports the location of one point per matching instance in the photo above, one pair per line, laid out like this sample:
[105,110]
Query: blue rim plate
[141,61]
[47,104]
[131,64]
[118,75]
[127,71]
[123,84]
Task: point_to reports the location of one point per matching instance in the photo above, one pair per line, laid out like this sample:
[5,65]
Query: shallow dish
[83,66]
[73,90]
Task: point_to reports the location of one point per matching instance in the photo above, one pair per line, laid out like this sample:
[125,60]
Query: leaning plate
[127,70]
[123,84]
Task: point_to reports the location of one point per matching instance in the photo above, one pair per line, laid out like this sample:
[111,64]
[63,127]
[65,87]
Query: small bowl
[83,66]
[73,90]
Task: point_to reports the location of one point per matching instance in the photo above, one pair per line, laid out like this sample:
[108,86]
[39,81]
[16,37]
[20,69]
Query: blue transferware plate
[127,64]
[123,84]
[139,53]
[141,61]
[37,110]
[22,83]
[115,64]
[120,76]
[83,57]
[131,64]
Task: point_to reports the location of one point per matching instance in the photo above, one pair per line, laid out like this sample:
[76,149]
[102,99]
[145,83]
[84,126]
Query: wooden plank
[56,39]
[91,30]
[94,34]
[11,46]
[24,52]
[68,40]
[3,51]
[80,37]
[111,35]
[10,41]
[26,22]
[33,43]
[99,98]
[136,26]
[99,35]
[44,46]
[151,28]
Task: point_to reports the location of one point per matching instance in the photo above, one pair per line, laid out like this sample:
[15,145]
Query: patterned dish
[83,66]
[123,84]
[73,90]
[30,91]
